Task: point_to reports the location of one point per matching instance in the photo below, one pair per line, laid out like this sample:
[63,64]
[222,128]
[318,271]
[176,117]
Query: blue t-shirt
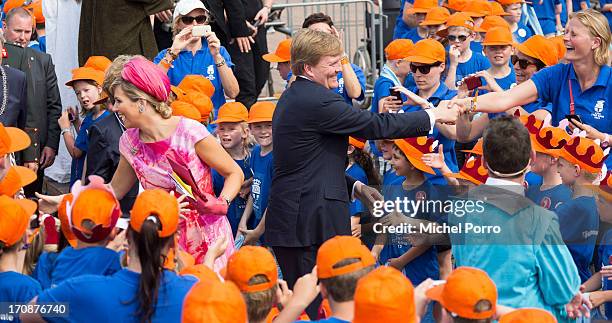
[476,63]
[450,157]
[538,105]
[605,251]
[40,44]
[113,298]
[44,267]
[576,4]
[390,183]
[82,143]
[533,179]
[549,198]
[262,168]
[86,261]
[608,15]
[236,208]
[522,33]
[401,29]
[579,225]
[505,83]
[357,172]
[17,288]
[476,47]
[202,63]
[413,34]
[592,105]
[546,15]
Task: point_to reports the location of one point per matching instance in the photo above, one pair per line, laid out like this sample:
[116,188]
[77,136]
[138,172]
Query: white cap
[184,7]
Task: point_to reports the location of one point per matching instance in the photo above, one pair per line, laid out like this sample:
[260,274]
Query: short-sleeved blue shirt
[357,172]
[476,63]
[115,298]
[82,142]
[576,4]
[401,29]
[546,15]
[522,33]
[549,198]
[44,267]
[262,168]
[17,288]
[86,261]
[236,208]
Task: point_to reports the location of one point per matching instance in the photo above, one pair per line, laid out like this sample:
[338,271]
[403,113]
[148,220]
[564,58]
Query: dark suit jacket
[310,129]
[237,13]
[44,103]
[103,155]
[16,106]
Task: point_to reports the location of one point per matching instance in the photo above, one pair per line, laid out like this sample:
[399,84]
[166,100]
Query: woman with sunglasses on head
[201,55]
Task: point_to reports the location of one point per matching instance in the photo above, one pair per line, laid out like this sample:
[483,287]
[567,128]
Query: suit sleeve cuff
[432,120]
[353,190]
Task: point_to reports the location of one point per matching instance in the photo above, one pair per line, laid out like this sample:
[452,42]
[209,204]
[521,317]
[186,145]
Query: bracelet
[345,60]
[173,56]
[221,63]
[65,130]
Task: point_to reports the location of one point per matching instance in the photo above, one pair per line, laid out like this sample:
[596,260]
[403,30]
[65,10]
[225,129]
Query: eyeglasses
[424,69]
[523,63]
[188,20]
[453,38]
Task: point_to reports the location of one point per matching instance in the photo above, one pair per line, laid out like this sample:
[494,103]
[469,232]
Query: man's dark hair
[506,146]
[316,18]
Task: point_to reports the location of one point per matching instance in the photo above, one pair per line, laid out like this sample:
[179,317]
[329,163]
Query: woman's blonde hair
[598,26]
[134,94]
[309,46]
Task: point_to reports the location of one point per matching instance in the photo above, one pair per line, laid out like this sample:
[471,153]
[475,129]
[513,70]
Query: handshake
[446,112]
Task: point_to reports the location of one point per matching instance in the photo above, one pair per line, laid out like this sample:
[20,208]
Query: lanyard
[572,109]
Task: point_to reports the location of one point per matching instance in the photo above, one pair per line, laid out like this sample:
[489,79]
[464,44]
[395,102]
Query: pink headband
[147,77]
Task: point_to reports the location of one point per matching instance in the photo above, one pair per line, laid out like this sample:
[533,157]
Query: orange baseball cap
[180,94]
[100,63]
[197,83]
[497,9]
[456,5]
[95,203]
[464,288]
[384,295]
[550,140]
[214,301]
[414,149]
[36,9]
[422,6]
[12,140]
[62,214]
[201,102]
[86,74]
[262,111]
[158,206]
[201,272]
[477,149]
[459,19]
[586,153]
[541,48]
[282,53]
[185,109]
[477,8]
[399,49]
[473,170]
[498,36]
[509,2]
[340,248]
[357,142]
[528,315]
[248,262]
[15,178]
[494,21]
[232,112]
[435,16]
[605,187]
[15,218]
[427,51]
[559,45]
[11,4]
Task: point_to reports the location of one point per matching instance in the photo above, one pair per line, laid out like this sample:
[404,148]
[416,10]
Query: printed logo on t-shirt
[522,32]
[420,196]
[256,189]
[211,72]
[599,107]
[545,202]
[341,85]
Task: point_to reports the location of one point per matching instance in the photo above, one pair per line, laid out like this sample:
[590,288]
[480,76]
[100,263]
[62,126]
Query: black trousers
[250,69]
[295,263]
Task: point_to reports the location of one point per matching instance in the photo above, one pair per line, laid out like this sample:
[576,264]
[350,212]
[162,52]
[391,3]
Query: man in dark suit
[310,193]
[44,103]
[13,113]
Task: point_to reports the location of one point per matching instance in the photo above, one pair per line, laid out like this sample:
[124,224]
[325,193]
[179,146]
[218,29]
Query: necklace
[4,91]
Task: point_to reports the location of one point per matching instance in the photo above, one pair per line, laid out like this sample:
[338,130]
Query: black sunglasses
[524,63]
[188,20]
[424,69]
[454,38]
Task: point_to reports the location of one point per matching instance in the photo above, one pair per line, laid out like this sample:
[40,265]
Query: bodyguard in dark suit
[14,113]
[309,199]
[103,154]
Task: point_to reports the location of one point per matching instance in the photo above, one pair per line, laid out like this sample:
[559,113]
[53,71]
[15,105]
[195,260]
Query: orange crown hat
[232,112]
[498,36]
[262,111]
[201,102]
[509,2]
[64,221]
[456,5]
[605,187]
[15,178]
[100,63]
[180,94]
[12,140]
[435,16]
[477,8]
[15,219]
[422,6]
[415,148]
[97,203]
[201,272]
[214,301]
[464,288]
[197,83]
[248,262]
[477,149]
[185,109]
[340,248]
[357,142]
[86,74]
[427,51]
[158,206]
[550,140]
[494,21]
[585,153]
[36,9]
[384,295]
[398,49]
[530,122]
[282,53]
[497,9]
[473,170]
[541,48]
[528,315]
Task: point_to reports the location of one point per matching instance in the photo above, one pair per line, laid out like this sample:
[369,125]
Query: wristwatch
[221,63]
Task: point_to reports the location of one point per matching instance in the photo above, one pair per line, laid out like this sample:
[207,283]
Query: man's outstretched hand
[367,195]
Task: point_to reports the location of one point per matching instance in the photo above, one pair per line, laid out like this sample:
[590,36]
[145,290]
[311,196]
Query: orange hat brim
[525,50]
[26,175]
[498,43]
[475,14]
[406,148]
[28,205]
[417,10]
[255,120]
[421,59]
[228,119]
[435,293]
[462,175]
[431,22]
[19,139]
[103,98]
[273,58]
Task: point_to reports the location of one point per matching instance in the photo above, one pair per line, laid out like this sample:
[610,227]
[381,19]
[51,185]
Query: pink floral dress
[150,163]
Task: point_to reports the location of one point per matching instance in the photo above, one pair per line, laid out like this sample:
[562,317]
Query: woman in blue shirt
[199,55]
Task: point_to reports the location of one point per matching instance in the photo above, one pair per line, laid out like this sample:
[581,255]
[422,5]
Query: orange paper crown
[605,187]
[415,148]
[585,153]
[477,150]
[532,123]
[550,140]
[474,171]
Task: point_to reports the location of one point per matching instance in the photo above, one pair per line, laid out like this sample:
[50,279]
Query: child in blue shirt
[233,133]
[252,224]
[519,30]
